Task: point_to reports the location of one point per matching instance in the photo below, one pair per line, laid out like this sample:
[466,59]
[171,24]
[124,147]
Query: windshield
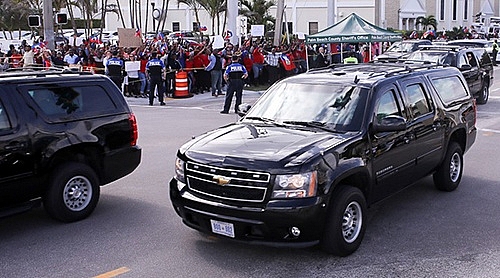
[433,57]
[401,47]
[336,107]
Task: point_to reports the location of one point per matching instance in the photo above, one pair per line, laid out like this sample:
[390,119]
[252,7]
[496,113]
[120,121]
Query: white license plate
[222,228]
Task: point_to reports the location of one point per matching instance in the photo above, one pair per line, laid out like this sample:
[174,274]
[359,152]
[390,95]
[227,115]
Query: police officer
[116,69]
[234,75]
[155,69]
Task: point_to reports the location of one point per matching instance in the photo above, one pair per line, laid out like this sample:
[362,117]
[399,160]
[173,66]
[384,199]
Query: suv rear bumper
[268,225]
[119,163]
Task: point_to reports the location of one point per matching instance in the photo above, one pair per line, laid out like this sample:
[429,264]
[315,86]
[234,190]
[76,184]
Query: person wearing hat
[234,75]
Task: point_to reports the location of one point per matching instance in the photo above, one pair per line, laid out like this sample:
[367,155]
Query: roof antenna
[356,79]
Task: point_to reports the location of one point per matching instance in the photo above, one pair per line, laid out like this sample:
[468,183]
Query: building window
[441,10]
[313,28]
[196,26]
[466,9]
[176,26]
[454,10]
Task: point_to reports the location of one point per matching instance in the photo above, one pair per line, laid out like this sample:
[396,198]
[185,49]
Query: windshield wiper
[262,119]
[315,124]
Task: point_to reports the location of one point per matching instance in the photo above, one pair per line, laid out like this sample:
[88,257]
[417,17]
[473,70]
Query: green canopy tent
[353,29]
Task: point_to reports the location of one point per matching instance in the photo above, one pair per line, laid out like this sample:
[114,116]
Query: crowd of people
[150,70]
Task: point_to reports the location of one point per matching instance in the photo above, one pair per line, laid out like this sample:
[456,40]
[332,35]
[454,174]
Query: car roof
[365,74]
[28,75]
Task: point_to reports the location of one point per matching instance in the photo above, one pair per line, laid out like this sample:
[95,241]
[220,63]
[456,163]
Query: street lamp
[153,14]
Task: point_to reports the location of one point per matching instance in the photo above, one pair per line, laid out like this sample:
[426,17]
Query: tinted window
[4,118]
[60,101]
[417,100]
[449,88]
[387,106]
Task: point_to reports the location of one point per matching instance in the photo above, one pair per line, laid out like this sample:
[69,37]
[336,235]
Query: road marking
[489,130]
[113,273]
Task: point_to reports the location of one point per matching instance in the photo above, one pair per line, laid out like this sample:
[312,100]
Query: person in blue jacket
[234,75]
[155,71]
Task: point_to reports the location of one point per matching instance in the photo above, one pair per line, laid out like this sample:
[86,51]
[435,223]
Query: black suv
[62,135]
[304,162]
[474,63]
[400,49]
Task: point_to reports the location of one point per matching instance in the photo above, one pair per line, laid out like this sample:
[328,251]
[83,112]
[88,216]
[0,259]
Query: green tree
[427,21]
[257,12]
[214,8]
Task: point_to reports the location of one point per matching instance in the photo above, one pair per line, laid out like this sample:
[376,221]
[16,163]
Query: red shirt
[257,56]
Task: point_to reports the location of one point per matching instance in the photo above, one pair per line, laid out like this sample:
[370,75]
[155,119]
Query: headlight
[295,185]
[179,170]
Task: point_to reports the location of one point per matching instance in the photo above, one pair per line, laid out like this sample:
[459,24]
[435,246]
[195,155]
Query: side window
[419,105]
[449,88]
[61,101]
[471,59]
[462,60]
[4,119]
[387,106]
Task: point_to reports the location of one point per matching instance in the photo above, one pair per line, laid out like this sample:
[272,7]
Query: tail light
[134,134]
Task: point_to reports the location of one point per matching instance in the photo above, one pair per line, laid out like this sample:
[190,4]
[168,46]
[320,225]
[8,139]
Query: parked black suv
[62,135]
[302,165]
[474,63]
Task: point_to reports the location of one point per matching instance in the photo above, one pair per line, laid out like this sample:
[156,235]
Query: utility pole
[232,14]
[48,24]
[279,21]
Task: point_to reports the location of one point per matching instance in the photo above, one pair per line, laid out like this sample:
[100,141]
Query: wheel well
[459,137]
[88,154]
[357,179]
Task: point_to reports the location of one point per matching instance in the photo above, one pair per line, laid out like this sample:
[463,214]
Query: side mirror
[390,123]
[243,109]
[466,67]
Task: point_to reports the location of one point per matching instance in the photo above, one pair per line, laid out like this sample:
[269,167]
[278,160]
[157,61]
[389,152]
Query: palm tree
[456,33]
[214,8]
[257,12]
[195,6]
[427,21]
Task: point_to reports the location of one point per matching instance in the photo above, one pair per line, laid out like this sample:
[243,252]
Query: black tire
[449,173]
[345,226]
[72,193]
[484,94]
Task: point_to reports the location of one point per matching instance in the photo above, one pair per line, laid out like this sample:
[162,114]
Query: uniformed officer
[116,68]
[155,69]
[234,75]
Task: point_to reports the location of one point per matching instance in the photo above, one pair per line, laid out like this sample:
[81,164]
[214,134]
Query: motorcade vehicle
[474,63]
[399,49]
[304,162]
[63,134]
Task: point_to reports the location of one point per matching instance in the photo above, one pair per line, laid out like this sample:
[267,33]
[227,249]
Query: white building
[311,16]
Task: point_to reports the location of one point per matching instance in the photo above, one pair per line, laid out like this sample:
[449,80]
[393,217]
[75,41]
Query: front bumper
[271,224]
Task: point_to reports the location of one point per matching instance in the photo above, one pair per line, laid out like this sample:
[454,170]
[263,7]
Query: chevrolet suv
[305,161]
[62,135]
[474,63]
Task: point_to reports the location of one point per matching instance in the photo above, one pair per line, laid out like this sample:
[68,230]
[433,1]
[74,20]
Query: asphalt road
[134,232]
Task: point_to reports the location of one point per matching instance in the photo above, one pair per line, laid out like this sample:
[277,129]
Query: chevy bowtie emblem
[220,180]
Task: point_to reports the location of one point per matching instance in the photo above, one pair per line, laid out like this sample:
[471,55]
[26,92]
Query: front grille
[228,184]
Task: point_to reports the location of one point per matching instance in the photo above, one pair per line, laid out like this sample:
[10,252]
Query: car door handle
[14,146]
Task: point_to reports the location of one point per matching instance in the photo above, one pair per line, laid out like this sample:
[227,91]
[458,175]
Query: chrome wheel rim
[352,222]
[77,193]
[455,167]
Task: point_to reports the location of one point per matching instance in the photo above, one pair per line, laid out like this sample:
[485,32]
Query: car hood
[244,144]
